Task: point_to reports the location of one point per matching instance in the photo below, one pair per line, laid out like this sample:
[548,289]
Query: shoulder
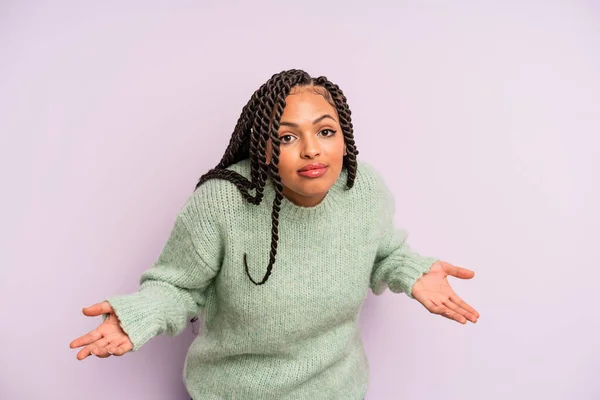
[371,187]
[242,168]
[218,197]
[369,179]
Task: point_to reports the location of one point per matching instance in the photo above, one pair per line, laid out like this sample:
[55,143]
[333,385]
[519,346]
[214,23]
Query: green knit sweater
[296,336]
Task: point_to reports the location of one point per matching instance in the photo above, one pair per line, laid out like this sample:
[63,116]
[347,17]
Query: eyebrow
[316,121]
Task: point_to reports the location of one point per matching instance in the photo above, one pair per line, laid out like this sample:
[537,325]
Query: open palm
[107,339]
[434,292]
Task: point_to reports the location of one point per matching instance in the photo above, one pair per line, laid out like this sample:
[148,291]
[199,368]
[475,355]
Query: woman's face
[312,147]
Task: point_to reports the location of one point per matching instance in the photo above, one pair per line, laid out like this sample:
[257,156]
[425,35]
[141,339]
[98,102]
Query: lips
[313,171]
[310,167]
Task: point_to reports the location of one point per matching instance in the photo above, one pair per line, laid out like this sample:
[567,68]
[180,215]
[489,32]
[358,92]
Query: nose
[310,148]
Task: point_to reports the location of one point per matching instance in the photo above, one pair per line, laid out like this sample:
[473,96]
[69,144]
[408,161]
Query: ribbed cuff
[139,316]
[413,266]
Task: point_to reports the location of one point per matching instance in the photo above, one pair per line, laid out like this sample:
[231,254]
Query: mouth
[311,167]
[313,170]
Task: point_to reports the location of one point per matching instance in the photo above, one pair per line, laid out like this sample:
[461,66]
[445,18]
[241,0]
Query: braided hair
[258,122]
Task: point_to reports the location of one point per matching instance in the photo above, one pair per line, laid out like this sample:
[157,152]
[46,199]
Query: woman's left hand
[434,292]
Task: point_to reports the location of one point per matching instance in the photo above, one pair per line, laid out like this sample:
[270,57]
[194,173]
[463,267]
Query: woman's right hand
[107,339]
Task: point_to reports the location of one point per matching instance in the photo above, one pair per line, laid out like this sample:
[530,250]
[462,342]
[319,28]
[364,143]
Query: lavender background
[483,116]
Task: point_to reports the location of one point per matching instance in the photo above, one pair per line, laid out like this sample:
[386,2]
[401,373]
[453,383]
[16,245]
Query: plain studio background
[484,120]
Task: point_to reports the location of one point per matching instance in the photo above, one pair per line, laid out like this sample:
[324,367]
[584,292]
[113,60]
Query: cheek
[336,149]
[287,169]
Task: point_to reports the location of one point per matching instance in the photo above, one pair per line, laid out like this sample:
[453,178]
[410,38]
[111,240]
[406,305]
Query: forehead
[306,104]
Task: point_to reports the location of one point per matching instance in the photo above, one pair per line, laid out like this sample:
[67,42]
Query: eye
[327,132]
[286,138]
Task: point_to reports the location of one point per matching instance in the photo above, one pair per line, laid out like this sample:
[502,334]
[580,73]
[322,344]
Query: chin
[317,187]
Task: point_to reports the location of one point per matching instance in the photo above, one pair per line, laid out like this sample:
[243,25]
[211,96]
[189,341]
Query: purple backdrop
[483,119]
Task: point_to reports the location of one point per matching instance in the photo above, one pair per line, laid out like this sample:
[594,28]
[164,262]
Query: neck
[303,201]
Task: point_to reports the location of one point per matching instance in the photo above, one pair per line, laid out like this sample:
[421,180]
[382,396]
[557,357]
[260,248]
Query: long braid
[275,103]
[260,121]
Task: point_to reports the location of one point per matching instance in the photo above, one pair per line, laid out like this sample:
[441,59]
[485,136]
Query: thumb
[458,272]
[97,309]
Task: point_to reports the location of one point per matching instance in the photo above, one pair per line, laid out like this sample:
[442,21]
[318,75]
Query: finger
[98,309]
[107,340]
[431,307]
[101,352]
[102,347]
[453,315]
[88,350]
[435,308]
[458,272]
[444,311]
[116,344]
[123,348]
[85,340]
[84,353]
[455,312]
[461,303]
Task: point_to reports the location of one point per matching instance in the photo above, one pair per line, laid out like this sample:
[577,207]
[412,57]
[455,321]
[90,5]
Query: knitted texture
[296,336]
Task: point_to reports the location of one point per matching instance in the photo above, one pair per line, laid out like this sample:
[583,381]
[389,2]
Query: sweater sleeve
[396,265]
[174,289]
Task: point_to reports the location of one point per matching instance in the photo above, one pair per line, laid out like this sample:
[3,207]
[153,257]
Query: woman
[288,330]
